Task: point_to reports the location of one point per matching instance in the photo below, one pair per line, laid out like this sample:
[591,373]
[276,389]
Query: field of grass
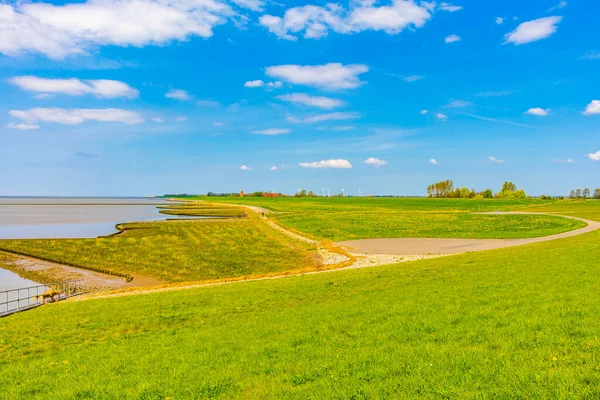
[203,210]
[341,219]
[179,251]
[511,323]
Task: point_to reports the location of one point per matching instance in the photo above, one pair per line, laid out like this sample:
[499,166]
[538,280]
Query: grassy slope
[177,251]
[513,323]
[340,219]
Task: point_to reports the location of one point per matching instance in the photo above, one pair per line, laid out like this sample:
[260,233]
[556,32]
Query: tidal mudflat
[53,218]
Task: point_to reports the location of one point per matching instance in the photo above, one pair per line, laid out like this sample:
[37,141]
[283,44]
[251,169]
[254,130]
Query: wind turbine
[342,192]
[359,193]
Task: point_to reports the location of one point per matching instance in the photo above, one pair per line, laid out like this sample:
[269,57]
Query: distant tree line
[445,189]
[584,194]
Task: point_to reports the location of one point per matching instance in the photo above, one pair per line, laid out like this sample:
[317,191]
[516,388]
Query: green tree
[578,193]
[586,193]
[487,194]
[597,194]
[508,187]
[572,194]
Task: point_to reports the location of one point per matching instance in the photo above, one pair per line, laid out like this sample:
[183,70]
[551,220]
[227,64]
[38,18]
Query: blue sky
[143,97]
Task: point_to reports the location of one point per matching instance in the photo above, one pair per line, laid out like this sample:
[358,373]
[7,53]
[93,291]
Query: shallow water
[52,218]
[10,280]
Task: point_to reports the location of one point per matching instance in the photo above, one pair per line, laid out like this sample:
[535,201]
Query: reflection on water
[51,218]
[10,280]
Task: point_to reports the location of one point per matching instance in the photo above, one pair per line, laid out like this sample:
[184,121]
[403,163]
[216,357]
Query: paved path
[414,246]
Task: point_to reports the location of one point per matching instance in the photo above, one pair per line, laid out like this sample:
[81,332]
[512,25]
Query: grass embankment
[512,323]
[49,275]
[199,210]
[179,251]
[341,219]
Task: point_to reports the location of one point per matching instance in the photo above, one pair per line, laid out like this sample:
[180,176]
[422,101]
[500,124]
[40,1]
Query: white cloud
[441,116]
[245,168]
[76,116]
[275,84]
[158,120]
[559,161]
[593,108]
[594,156]
[433,161]
[315,22]
[181,118]
[540,112]
[496,160]
[23,127]
[272,131]
[178,94]
[59,31]
[102,88]
[254,84]
[273,168]
[449,7]
[375,162]
[499,20]
[532,31]
[458,104]
[560,5]
[452,39]
[328,76]
[313,101]
[338,164]
[412,78]
[424,112]
[335,116]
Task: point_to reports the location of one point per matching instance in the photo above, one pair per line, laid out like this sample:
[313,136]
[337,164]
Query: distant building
[241,193]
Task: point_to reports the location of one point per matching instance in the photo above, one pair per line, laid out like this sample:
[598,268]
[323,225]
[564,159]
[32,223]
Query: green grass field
[341,219]
[513,323]
[179,251]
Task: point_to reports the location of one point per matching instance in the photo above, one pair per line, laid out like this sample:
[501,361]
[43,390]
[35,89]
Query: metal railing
[14,300]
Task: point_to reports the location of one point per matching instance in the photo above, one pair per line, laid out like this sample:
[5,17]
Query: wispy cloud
[336,116]
[458,104]
[497,93]
[496,160]
[272,131]
[311,101]
[592,55]
[433,161]
[561,161]
[503,121]
[560,5]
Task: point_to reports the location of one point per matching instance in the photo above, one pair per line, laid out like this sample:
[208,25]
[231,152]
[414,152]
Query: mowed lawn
[512,323]
[179,251]
[341,219]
